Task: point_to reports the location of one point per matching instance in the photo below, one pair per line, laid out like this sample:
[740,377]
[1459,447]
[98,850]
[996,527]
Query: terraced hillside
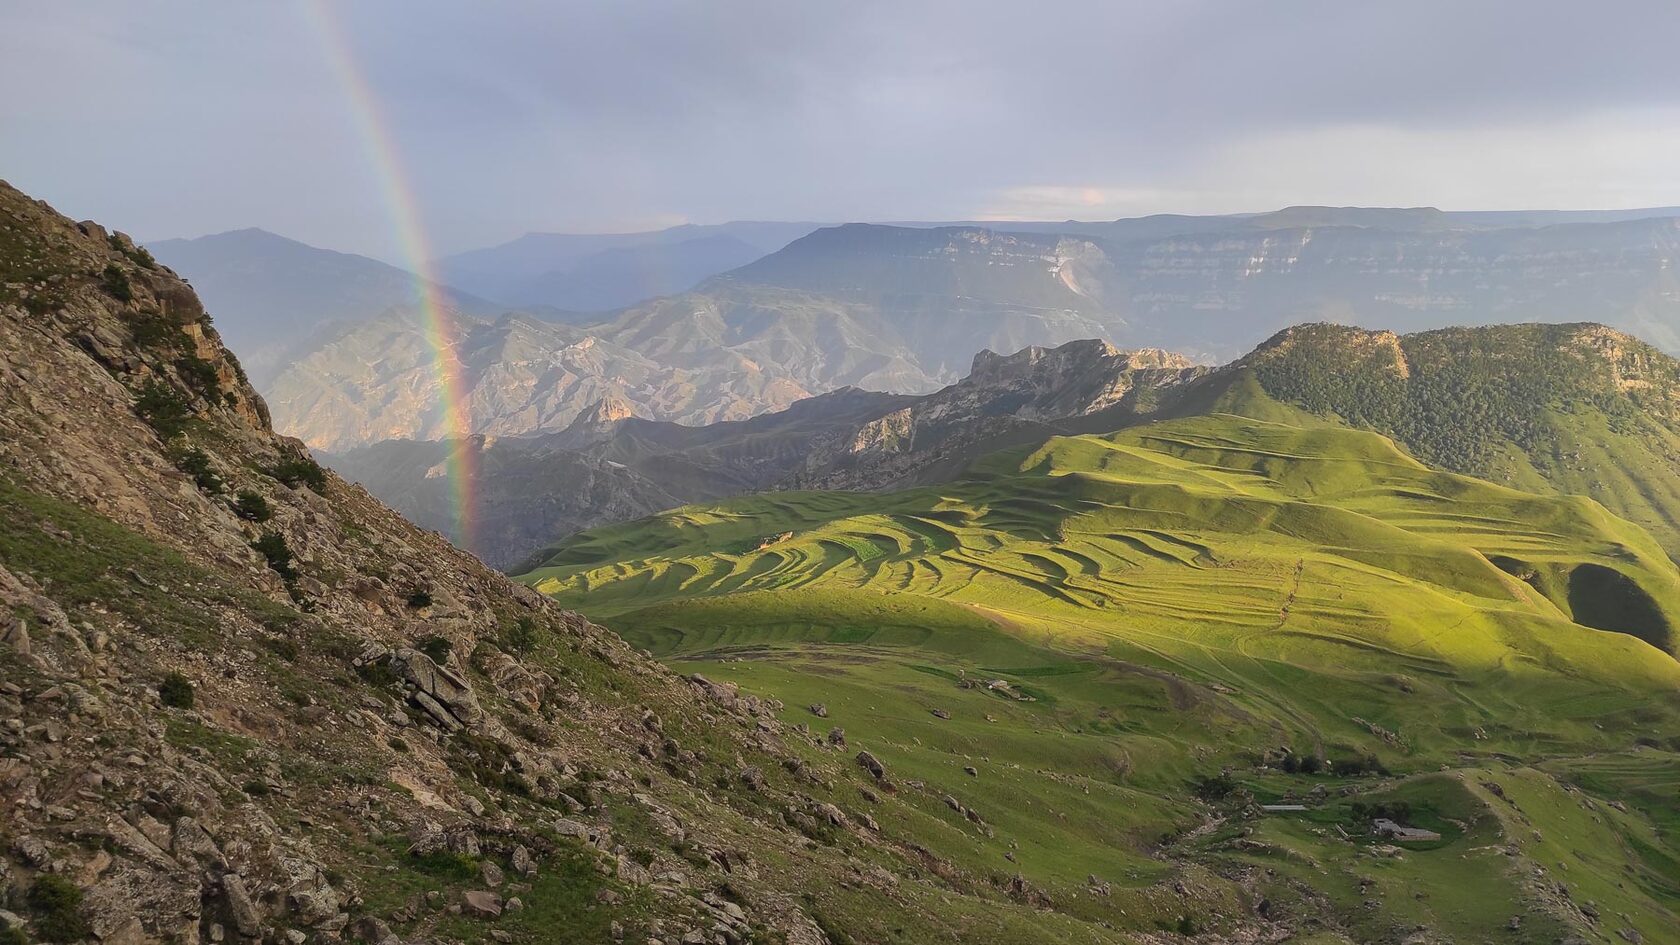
[1055,658]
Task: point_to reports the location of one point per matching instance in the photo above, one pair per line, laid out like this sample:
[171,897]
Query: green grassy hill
[1577,409]
[1098,626]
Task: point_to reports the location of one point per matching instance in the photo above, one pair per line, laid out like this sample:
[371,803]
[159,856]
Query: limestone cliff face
[245,702]
[1005,400]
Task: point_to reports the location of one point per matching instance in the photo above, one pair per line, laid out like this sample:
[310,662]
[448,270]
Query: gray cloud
[177,118]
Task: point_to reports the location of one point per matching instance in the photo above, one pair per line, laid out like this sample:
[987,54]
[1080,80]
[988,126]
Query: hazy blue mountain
[615,278]
[276,298]
[551,268]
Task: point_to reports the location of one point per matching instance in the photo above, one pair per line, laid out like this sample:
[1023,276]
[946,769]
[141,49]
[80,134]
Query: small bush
[1312,764]
[1398,811]
[252,507]
[1215,787]
[300,471]
[397,745]
[199,374]
[255,788]
[176,691]
[137,254]
[420,598]
[196,463]
[520,637]
[1356,767]
[284,647]
[163,408]
[154,330]
[13,935]
[378,675]
[436,647]
[272,546]
[116,284]
[57,905]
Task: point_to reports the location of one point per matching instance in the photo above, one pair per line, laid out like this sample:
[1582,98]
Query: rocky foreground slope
[244,702]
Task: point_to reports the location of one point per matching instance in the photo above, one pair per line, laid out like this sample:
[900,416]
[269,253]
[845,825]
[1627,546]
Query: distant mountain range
[903,308]
[598,272]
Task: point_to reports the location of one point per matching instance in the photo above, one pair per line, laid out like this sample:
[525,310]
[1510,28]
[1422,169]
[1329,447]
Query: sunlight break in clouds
[1608,159]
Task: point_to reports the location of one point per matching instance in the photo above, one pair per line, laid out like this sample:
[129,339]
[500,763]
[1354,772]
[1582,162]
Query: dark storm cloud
[180,118]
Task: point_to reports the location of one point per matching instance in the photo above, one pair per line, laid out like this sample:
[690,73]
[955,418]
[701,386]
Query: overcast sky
[172,118]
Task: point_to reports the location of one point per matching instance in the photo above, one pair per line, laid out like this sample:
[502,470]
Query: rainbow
[436,319]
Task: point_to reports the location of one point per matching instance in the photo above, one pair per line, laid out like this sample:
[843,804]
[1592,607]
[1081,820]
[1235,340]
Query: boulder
[481,903]
[522,862]
[246,918]
[872,765]
[436,687]
[375,932]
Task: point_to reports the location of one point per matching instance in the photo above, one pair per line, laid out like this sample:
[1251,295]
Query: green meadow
[1072,644]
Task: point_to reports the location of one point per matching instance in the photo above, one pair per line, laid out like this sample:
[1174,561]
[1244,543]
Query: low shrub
[57,905]
[520,637]
[176,691]
[300,471]
[252,507]
[272,546]
[1215,787]
[163,408]
[200,375]
[196,463]
[116,284]
[435,647]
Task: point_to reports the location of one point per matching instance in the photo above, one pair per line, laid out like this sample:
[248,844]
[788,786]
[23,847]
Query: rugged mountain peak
[1054,369]
[990,367]
[598,420]
[1006,400]
[608,409]
[1381,347]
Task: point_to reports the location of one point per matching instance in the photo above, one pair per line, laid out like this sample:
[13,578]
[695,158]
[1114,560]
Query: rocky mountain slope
[277,299]
[614,278]
[608,466]
[1005,401]
[691,359]
[245,702]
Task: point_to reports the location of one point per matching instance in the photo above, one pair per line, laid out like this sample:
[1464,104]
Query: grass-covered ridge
[1567,408]
[1106,619]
